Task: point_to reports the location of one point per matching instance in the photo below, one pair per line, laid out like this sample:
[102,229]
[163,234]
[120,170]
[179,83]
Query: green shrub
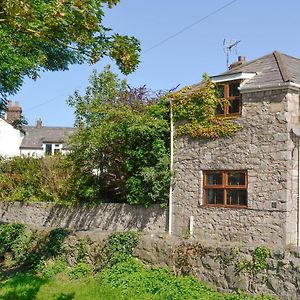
[117,248]
[51,267]
[81,269]
[50,178]
[15,241]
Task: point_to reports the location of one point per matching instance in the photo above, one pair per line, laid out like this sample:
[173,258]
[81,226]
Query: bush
[50,178]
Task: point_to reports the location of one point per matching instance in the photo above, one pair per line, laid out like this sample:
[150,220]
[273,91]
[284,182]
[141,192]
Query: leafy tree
[124,140]
[39,35]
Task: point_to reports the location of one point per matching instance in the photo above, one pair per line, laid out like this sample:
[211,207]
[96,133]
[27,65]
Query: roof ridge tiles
[246,64]
[285,74]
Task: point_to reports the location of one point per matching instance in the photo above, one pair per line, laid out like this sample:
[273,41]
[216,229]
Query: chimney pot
[242,59]
[39,123]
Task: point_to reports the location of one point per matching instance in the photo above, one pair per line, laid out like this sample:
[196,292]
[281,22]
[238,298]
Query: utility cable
[189,26]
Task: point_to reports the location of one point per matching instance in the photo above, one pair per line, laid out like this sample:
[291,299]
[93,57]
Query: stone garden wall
[228,268]
[107,217]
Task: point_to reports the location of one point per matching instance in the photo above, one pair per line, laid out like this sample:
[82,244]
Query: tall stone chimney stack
[13,112]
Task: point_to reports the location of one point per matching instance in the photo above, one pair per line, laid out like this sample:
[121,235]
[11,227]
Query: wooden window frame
[230,98]
[225,187]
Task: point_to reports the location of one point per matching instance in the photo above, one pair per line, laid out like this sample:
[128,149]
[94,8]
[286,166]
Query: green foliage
[124,141]
[27,287]
[123,278]
[118,247]
[81,269]
[51,178]
[194,111]
[51,267]
[15,241]
[50,35]
[27,248]
[159,283]
[258,263]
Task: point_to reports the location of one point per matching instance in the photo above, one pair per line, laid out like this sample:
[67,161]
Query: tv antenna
[228,47]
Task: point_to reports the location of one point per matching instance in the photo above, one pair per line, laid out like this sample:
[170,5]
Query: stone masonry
[105,217]
[267,149]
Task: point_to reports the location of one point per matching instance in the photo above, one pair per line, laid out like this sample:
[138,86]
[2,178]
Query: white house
[10,139]
[44,140]
[35,140]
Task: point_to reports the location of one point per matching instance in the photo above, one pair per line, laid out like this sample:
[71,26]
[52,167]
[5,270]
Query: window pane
[220,91]
[214,196]
[219,110]
[48,149]
[214,179]
[236,178]
[234,106]
[233,89]
[236,197]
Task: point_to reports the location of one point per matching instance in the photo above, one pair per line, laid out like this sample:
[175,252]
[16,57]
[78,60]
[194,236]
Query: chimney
[39,123]
[241,60]
[13,112]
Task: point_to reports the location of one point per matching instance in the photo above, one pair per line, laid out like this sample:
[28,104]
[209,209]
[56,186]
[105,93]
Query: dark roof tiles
[271,69]
[35,137]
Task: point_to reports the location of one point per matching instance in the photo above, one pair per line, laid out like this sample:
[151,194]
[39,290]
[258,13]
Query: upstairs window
[225,188]
[229,91]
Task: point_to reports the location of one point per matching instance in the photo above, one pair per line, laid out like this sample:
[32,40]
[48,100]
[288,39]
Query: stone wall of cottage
[105,217]
[266,149]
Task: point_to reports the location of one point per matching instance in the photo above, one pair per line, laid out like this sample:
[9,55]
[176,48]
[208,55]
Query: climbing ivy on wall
[194,113]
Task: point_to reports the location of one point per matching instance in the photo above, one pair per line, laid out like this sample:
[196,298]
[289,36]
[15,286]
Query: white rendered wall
[10,139]
[32,152]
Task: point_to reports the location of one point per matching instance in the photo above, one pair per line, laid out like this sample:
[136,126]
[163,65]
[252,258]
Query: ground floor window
[51,149]
[225,188]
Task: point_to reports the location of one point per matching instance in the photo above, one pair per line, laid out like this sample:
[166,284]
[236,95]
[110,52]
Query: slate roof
[271,69]
[35,137]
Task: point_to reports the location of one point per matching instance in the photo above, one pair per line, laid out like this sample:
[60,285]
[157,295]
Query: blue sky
[262,26]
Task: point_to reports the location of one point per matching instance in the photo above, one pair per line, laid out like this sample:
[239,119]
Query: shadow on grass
[21,287]
[63,296]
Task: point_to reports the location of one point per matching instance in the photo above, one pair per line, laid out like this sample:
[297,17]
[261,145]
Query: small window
[48,149]
[229,91]
[225,188]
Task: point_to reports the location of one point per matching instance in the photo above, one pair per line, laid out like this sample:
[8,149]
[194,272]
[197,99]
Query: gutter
[278,86]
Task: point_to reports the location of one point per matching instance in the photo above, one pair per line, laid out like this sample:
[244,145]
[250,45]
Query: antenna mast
[228,48]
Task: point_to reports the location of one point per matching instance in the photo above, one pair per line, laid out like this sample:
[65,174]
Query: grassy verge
[51,268]
[127,280]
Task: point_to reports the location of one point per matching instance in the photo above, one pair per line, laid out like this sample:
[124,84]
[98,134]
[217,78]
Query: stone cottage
[245,189]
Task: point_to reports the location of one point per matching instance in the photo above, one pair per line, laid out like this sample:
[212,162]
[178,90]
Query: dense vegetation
[51,178]
[44,266]
[123,139]
[121,151]
[51,35]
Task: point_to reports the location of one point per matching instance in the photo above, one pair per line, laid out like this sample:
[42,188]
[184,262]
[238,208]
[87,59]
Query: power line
[189,26]
[154,46]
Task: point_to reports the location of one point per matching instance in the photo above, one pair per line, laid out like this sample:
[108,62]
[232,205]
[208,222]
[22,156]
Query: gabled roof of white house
[35,137]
